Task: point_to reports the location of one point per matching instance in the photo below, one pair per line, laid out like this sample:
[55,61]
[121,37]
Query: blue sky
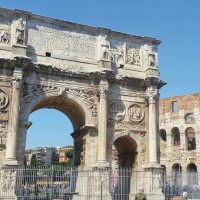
[175,22]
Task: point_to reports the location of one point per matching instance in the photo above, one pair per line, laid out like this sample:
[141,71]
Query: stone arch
[137,146]
[191,167]
[38,103]
[177,167]
[190,138]
[175,136]
[163,135]
[189,118]
[192,176]
[69,104]
[177,173]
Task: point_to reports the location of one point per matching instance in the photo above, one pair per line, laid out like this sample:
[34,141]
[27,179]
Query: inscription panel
[43,36]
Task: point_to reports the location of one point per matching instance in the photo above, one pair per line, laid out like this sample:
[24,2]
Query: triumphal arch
[105,81]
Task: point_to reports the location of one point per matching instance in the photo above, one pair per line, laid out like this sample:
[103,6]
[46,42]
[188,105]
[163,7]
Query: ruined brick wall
[179,120]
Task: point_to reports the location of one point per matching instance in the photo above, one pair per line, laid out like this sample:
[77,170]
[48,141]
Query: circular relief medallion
[116,110]
[3,99]
[135,113]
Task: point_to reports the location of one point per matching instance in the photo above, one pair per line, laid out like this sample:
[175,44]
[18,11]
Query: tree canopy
[33,160]
[69,154]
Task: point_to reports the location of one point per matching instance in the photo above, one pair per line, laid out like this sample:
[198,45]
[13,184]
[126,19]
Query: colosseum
[180,135]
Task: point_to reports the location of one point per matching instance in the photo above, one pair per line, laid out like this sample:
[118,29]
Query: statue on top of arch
[105,48]
[20,31]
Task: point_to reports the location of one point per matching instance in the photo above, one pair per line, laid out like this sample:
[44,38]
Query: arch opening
[73,117]
[65,105]
[163,135]
[177,174]
[190,139]
[125,151]
[125,158]
[176,136]
[192,176]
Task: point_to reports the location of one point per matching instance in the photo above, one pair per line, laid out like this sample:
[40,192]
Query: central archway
[68,106]
[49,128]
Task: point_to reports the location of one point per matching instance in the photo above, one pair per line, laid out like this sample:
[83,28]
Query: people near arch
[184,194]
[140,195]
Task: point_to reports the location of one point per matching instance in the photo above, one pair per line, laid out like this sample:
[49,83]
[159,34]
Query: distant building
[180,134]
[48,155]
[62,156]
[44,155]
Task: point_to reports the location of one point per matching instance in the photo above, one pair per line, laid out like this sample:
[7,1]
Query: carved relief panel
[63,40]
[3,133]
[5,31]
[140,136]
[126,116]
[133,54]
[31,92]
[117,52]
[125,53]
[8,179]
[135,113]
[3,99]
[116,110]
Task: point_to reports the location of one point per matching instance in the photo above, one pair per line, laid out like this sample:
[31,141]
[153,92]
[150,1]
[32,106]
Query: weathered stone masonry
[106,82]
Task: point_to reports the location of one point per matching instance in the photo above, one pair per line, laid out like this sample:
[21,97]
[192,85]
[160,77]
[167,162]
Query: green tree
[33,160]
[69,154]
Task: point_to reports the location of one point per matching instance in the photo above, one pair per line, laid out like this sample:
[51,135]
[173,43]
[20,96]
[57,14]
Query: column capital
[16,83]
[152,95]
[103,89]
[154,82]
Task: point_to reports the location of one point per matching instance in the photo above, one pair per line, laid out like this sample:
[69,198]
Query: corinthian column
[11,144]
[102,124]
[153,121]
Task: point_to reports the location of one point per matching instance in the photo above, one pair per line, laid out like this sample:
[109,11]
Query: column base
[10,162]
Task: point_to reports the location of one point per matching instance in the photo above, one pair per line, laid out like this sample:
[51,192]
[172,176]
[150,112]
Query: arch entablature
[86,106]
[139,138]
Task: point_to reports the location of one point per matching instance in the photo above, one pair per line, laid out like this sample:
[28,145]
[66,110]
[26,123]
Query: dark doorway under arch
[126,151]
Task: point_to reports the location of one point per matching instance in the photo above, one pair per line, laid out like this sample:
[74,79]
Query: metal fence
[55,182]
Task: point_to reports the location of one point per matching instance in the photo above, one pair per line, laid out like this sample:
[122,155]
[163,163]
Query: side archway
[126,150]
[137,148]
